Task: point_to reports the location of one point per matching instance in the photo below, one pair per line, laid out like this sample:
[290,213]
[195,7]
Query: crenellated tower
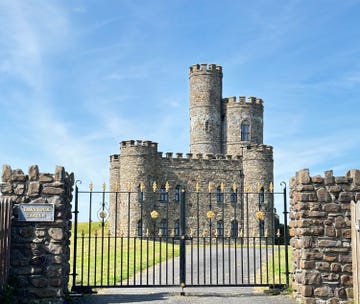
[205,108]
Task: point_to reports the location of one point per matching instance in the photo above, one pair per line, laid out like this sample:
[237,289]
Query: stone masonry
[226,146]
[321,236]
[40,251]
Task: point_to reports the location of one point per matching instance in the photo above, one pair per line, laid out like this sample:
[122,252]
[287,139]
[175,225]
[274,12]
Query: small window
[140,195]
[262,228]
[139,228]
[163,227]
[261,196]
[177,194]
[245,131]
[234,228]
[219,195]
[233,196]
[177,228]
[164,196]
[220,228]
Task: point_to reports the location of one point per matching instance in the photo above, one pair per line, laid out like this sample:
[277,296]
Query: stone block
[354,175]
[331,208]
[18,176]
[346,280]
[306,291]
[346,197]
[52,190]
[346,233]
[322,266]
[345,258]
[303,176]
[329,177]
[6,175]
[59,173]
[56,234]
[335,267]
[333,301]
[330,231]
[46,178]
[335,189]
[323,195]
[323,291]
[347,268]
[33,173]
[39,281]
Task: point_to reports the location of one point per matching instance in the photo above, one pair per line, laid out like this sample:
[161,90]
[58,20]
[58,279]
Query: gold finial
[278,233]
[147,234]
[234,187]
[117,187]
[246,188]
[128,186]
[104,187]
[260,215]
[266,232]
[271,187]
[154,214]
[197,187]
[154,186]
[91,186]
[160,234]
[222,187]
[210,214]
[172,234]
[167,186]
[209,187]
[259,187]
[142,187]
[191,232]
[216,234]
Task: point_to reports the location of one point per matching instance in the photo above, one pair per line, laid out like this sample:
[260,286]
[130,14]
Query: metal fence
[5,233]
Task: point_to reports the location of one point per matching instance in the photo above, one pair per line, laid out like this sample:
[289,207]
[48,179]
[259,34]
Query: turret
[243,123]
[205,108]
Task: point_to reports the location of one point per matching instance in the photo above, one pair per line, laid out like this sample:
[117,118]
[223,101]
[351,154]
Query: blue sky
[78,77]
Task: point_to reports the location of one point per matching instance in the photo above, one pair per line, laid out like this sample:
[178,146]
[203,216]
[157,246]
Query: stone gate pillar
[40,234]
[321,236]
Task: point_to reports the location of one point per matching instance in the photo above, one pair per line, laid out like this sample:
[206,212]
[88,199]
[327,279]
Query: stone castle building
[228,164]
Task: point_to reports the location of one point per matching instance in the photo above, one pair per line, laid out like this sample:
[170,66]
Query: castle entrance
[177,237]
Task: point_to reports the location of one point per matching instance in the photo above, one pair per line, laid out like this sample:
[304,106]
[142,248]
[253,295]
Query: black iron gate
[178,238]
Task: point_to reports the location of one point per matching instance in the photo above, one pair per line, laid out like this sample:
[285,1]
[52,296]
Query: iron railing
[5,233]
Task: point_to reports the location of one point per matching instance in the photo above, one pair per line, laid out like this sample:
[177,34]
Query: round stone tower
[205,108]
[244,123]
[137,164]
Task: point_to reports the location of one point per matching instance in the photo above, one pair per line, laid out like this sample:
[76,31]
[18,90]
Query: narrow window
[219,195]
[139,228]
[233,196]
[140,195]
[163,227]
[234,228]
[220,228]
[262,227]
[261,196]
[164,196]
[177,228]
[177,194]
[245,131]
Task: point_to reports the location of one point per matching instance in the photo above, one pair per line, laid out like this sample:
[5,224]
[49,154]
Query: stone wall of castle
[321,236]
[40,251]
[141,163]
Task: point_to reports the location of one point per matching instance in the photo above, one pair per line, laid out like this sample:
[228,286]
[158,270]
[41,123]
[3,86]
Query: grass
[102,259]
[277,266]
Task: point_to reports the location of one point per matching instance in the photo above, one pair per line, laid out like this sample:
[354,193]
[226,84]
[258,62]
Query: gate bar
[182,240]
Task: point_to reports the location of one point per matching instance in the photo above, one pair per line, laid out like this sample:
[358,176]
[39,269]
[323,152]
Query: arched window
[233,196]
[220,228]
[177,228]
[261,195]
[140,194]
[234,228]
[139,228]
[245,131]
[163,227]
[177,194]
[164,196]
[219,195]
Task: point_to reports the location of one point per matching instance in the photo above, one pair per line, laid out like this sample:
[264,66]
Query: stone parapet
[320,227]
[40,251]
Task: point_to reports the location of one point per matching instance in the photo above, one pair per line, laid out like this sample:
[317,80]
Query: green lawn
[102,259]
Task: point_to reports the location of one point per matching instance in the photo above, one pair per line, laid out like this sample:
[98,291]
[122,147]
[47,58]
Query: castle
[227,157]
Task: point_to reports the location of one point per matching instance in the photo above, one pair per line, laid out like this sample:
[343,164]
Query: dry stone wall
[40,250]
[321,236]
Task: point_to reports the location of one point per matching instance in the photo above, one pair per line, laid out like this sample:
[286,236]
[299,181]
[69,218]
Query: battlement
[242,100]
[200,156]
[138,143]
[115,158]
[204,67]
[259,148]
[138,147]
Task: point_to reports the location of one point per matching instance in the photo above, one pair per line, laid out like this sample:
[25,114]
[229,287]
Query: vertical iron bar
[160,268]
[75,234]
[182,240]
[102,238]
[82,257]
[141,237]
[248,236]
[166,238]
[108,261]
[134,272]
[115,234]
[96,235]
[121,259]
[89,231]
[286,237]
[128,240]
[229,261]
[217,260]
[210,240]
[198,235]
